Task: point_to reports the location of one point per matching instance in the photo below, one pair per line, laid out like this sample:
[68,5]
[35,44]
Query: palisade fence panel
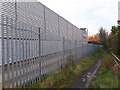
[27,57]
[20,53]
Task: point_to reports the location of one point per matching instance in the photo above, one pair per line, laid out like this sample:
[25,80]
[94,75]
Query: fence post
[11,21]
[82,51]
[39,54]
[32,51]
[29,40]
[3,68]
[63,53]
[75,51]
[20,57]
[89,49]
[8,56]
[23,55]
[26,30]
[37,65]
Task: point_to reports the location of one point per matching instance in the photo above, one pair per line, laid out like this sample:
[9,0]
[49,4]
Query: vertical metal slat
[11,21]
[29,57]
[8,57]
[63,52]
[16,56]
[26,55]
[39,54]
[20,57]
[3,57]
[32,52]
[23,55]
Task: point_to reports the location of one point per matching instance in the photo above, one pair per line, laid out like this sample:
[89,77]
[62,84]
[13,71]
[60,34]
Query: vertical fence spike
[26,33]
[3,57]
[16,52]
[20,57]
[29,40]
[39,54]
[11,21]
[75,51]
[32,51]
[23,54]
[63,53]
[8,56]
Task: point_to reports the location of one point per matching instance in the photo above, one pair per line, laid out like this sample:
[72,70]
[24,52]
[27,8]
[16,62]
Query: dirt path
[86,80]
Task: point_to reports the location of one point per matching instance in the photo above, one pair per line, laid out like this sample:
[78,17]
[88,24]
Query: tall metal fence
[26,57]
[37,14]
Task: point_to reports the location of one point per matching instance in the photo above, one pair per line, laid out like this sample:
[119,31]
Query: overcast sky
[91,14]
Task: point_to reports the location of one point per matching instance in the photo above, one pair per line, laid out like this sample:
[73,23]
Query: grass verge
[108,75]
[64,78]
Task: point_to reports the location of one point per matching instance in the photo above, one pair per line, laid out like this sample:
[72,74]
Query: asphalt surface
[86,80]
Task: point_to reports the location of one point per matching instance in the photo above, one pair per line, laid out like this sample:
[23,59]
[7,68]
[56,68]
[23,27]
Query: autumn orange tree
[100,37]
[94,38]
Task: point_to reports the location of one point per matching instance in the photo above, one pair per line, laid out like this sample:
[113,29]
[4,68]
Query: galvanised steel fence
[26,57]
[37,14]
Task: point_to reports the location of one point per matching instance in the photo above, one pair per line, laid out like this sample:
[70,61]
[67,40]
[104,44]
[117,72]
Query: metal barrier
[116,59]
[26,57]
[37,14]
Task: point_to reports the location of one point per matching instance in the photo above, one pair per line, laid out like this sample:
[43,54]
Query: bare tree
[102,36]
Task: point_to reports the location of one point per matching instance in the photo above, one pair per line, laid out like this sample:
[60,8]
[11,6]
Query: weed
[106,78]
[63,78]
